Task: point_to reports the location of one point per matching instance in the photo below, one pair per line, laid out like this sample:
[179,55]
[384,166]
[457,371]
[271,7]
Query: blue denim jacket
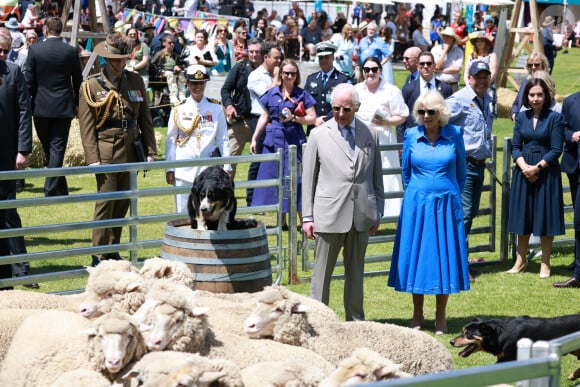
[466,113]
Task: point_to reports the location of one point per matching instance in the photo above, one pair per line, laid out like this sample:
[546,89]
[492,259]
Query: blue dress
[537,207]
[223,57]
[280,135]
[430,253]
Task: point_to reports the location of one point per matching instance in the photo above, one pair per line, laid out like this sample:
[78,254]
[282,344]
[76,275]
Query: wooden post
[508,53]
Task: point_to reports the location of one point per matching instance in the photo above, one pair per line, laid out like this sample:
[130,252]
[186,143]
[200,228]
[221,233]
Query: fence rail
[134,219]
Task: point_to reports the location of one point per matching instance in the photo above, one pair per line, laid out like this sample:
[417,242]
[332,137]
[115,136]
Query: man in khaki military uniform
[113,112]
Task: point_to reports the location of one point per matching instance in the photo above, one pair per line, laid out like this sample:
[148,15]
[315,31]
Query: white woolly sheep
[10,321]
[177,324]
[156,268]
[81,378]
[237,307]
[25,299]
[284,373]
[106,290]
[51,343]
[280,316]
[363,366]
[170,319]
[245,352]
[156,369]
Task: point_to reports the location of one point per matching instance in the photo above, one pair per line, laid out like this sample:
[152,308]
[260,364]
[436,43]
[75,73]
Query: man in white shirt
[448,58]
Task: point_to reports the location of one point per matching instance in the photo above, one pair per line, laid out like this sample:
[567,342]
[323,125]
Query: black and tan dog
[499,337]
[212,202]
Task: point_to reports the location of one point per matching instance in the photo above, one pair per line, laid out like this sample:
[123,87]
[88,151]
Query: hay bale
[505,100]
[74,155]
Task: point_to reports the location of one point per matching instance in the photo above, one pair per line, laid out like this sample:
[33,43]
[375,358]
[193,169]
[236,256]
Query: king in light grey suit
[342,198]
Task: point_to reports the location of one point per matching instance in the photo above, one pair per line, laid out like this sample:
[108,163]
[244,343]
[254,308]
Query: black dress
[537,207]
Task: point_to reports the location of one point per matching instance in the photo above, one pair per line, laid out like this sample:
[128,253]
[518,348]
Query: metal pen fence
[538,365]
[135,217]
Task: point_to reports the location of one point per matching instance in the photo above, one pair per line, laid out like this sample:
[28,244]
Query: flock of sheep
[149,327]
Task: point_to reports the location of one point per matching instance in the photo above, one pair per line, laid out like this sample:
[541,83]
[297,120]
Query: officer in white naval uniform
[197,126]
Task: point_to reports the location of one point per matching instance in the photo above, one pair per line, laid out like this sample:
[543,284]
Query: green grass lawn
[494,294]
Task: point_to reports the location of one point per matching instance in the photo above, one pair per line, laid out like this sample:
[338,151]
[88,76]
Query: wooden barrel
[221,261]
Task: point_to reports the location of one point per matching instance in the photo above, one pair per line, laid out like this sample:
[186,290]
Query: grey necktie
[350,139]
[324,79]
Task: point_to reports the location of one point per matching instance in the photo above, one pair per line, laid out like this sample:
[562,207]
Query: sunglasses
[428,64]
[289,73]
[430,112]
[2,51]
[534,65]
[346,109]
[370,69]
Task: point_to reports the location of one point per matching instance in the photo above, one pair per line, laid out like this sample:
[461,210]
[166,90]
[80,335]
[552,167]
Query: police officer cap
[196,73]
[325,48]
[477,67]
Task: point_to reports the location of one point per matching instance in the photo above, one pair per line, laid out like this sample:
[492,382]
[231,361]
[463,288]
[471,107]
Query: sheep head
[176,328]
[174,271]
[363,366]
[171,318]
[192,375]
[114,341]
[275,315]
[123,291]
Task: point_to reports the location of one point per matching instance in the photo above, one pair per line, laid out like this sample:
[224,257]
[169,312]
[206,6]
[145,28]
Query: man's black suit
[321,93]
[411,91]
[54,77]
[15,136]
[571,165]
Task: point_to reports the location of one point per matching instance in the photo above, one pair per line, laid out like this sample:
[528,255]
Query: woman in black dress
[536,203]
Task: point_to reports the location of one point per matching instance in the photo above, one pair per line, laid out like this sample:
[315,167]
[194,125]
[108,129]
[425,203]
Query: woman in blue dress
[283,124]
[536,201]
[430,253]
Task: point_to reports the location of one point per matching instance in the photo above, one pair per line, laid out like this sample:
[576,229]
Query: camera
[182,60]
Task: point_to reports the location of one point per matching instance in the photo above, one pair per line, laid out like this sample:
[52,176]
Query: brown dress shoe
[571,283]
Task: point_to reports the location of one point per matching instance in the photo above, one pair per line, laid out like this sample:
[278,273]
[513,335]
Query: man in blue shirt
[311,35]
[471,109]
[372,45]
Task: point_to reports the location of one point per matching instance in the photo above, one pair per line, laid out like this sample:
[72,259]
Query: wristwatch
[293,118]
[539,166]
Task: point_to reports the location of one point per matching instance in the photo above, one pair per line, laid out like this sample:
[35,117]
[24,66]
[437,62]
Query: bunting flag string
[204,20]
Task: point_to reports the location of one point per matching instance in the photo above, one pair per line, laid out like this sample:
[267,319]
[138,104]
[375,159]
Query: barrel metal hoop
[215,261]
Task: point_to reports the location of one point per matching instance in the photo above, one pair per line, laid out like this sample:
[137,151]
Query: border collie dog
[212,203]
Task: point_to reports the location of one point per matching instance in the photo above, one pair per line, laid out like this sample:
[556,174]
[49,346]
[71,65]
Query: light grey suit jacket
[337,191]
